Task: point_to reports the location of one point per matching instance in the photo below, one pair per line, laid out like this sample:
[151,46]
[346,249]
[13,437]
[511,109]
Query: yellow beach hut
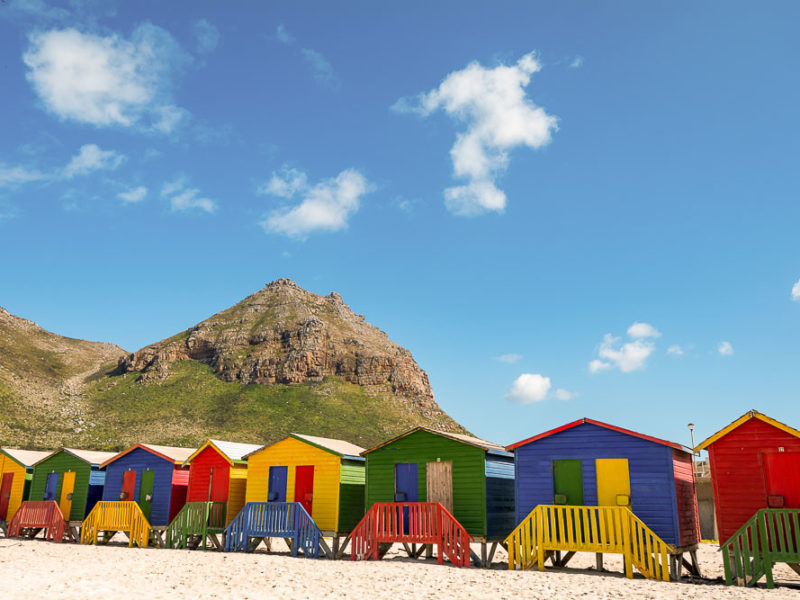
[16,467]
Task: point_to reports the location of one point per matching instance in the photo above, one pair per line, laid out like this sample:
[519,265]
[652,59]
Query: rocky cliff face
[284,334]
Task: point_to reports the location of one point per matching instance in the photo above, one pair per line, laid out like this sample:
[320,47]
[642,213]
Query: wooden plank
[440,483]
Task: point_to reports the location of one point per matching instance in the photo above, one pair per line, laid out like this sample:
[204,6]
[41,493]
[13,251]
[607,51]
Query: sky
[562,209]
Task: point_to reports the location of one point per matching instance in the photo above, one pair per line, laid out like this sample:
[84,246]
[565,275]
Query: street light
[691,433]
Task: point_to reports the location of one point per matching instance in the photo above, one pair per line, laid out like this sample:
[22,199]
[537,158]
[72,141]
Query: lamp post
[691,433]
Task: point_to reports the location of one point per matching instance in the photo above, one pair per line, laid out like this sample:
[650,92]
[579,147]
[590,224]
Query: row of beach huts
[584,487]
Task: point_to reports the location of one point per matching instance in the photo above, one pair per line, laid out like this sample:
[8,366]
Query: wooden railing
[39,514]
[410,523]
[196,519]
[770,536]
[599,529]
[287,520]
[112,516]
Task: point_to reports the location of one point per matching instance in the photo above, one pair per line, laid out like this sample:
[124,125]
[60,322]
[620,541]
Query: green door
[146,492]
[567,482]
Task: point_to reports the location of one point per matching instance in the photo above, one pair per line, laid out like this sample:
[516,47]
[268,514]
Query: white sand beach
[37,569]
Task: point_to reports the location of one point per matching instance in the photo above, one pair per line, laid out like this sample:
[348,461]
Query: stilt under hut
[215,495]
[16,471]
[73,479]
[325,476]
[755,474]
[409,476]
[593,487]
[151,477]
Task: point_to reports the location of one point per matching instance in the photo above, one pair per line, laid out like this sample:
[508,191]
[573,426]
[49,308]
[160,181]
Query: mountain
[281,360]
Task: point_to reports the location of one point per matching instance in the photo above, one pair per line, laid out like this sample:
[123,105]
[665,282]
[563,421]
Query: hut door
[146,492]
[613,482]
[304,486]
[405,482]
[276,492]
[440,483]
[51,486]
[67,487]
[128,486]
[5,495]
[218,480]
[568,482]
[782,471]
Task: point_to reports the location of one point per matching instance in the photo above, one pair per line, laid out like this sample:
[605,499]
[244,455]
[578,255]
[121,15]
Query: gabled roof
[753,414]
[340,448]
[599,424]
[25,458]
[93,457]
[170,453]
[233,451]
[466,439]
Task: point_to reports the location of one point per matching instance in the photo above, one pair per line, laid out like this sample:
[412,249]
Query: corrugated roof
[93,457]
[26,458]
[171,453]
[753,414]
[234,450]
[340,447]
[460,437]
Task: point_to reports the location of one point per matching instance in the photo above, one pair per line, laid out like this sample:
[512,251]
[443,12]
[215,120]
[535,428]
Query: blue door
[277,484]
[51,487]
[405,487]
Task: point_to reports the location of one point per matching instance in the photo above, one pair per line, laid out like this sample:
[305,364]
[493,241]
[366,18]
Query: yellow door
[67,487]
[613,482]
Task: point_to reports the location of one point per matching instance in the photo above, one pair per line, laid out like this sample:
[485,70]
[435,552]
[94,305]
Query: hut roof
[93,457]
[753,414]
[233,451]
[25,458]
[599,424]
[339,447]
[466,439]
[170,453]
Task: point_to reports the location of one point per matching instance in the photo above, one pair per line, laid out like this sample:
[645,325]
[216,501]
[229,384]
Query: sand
[38,569]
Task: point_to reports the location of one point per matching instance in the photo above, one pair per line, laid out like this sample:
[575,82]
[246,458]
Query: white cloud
[16,175]
[133,195]
[725,348]
[106,81]
[283,35]
[183,198]
[565,395]
[675,350]
[207,36]
[325,206]
[509,358]
[796,291]
[643,330]
[498,117]
[630,356]
[36,8]
[321,67]
[576,63]
[529,388]
[93,158]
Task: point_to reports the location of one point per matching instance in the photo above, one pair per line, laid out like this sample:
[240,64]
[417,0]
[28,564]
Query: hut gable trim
[92,457]
[458,437]
[25,458]
[753,414]
[233,452]
[655,440]
[168,453]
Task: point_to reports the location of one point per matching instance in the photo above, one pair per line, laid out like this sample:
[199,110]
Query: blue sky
[563,209]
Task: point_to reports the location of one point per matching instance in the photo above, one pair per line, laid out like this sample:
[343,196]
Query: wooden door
[304,486]
[439,479]
[568,482]
[146,492]
[67,488]
[276,492]
[5,495]
[613,482]
[51,486]
[218,478]
[128,486]
[782,474]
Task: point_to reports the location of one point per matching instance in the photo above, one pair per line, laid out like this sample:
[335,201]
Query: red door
[218,484]
[5,495]
[304,486]
[782,470]
[128,486]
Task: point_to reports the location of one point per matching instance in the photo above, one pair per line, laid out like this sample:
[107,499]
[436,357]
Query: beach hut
[326,476]
[755,474]
[594,464]
[16,470]
[471,478]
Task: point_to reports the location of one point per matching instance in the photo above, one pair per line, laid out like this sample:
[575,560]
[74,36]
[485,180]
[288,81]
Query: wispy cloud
[17,175]
[796,291]
[509,358]
[207,36]
[185,199]
[283,35]
[498,117]
[324,206]
[33,8]
[322,68]
[93,158]
[576,63]
[530,388]
[629,356]
[675,350]
[133,195]
[107,80]
[725,348]
[643,330]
